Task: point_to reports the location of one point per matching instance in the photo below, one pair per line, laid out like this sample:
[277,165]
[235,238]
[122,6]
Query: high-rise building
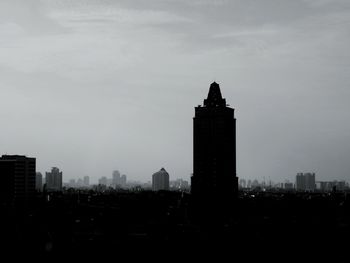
[17,175]
[160,180]
[214,149]
[123,180]
[39,181]
[54,180]
[305,182]
[116,178]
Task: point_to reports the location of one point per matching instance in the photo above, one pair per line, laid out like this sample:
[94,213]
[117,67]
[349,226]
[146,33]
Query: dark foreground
[279,227]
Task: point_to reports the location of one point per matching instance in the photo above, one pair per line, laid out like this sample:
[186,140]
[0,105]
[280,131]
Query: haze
[95,85]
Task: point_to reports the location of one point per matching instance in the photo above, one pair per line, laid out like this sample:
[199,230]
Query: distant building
[123,181]
[288,186]
[305,182]
[54,180]
[332,186]
[116,178]
[249,184]
[110,182]
[103,181]
[242,183]
[80,182]
[86,181]
[100,187]
[179,184]
[118,181]
[39,182]
[214,150]
[255,184]
[18,177]
[72,183]
[323,186]
[341,186]
[160,180]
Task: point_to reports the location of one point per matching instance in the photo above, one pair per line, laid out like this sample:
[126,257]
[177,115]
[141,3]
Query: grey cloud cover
[92,86]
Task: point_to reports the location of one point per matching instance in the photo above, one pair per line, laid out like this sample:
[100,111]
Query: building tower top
[214,98]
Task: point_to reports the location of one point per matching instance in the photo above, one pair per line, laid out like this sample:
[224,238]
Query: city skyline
[114,84]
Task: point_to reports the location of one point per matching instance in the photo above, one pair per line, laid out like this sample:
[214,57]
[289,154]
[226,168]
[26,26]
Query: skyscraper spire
[214,98]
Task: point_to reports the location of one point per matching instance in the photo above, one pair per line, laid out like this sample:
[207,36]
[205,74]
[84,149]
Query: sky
[92,86]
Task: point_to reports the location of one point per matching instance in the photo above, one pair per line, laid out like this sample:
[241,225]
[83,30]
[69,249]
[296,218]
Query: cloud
[115,82]
[29,15]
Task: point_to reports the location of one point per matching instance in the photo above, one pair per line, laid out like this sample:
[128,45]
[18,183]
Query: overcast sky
[95,85]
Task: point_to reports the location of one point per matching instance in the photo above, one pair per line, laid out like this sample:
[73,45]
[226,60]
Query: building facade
[123,181]
[160,180]
[17,175]
[118,180]
[54,180]
[305,182]
[214,149]
[39,182]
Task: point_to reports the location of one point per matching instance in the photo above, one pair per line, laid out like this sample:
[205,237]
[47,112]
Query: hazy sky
[94,85]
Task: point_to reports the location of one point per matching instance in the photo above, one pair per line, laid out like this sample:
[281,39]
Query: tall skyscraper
[160,180]
[17,175]
[54,180]
[214,149]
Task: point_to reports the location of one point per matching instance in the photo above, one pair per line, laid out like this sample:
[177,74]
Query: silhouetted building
[160,180]
[214,149]
[17,175]
[305,182]
[54,180]
[39,181]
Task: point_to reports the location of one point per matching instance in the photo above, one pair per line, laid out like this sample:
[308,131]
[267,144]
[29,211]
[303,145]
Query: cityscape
[175,130]
[303,182]
[53,182]
[217,209]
